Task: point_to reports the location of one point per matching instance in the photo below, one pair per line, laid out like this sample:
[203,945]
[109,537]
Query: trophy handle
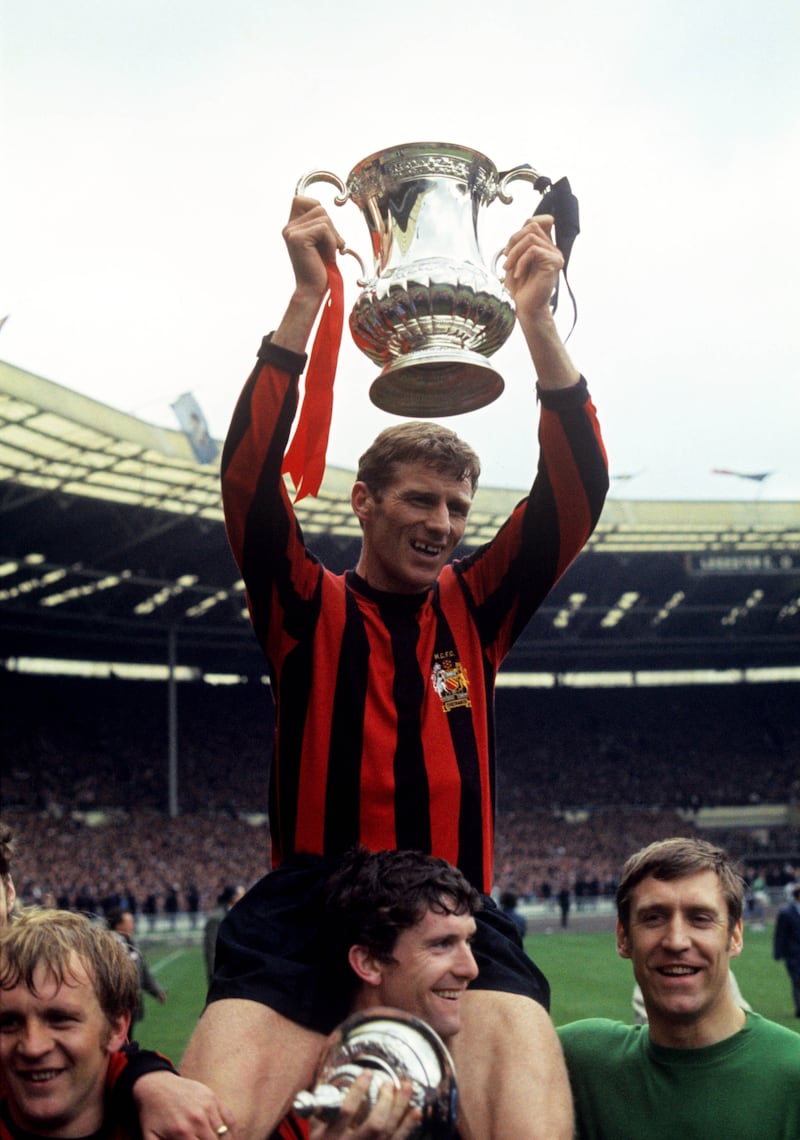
[523,173]
[493,266]
[343,196]
[313,176]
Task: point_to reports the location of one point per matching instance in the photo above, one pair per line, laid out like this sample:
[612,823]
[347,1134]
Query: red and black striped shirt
[384,702]
[291,1128]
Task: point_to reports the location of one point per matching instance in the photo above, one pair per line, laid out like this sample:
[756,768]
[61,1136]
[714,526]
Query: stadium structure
[114,550]
[114,561]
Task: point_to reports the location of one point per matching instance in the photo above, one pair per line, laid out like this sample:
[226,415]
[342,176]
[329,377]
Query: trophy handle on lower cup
[343,196]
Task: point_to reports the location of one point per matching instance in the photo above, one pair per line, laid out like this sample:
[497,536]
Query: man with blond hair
[168,1107]
[67,992]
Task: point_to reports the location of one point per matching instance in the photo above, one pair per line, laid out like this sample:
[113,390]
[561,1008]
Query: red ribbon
[304,460]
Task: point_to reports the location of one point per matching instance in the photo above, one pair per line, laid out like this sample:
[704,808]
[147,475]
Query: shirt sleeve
[127,1065]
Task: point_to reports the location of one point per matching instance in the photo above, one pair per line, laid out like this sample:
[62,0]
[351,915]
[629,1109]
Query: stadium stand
[585,775]
[113,550]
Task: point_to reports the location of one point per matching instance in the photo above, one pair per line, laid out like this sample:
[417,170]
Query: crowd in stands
[682,747]
[585,776]
[155,866]
[160,867]
[537,853]
[81,745]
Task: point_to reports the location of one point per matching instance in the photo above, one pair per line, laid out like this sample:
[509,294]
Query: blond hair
[42,938]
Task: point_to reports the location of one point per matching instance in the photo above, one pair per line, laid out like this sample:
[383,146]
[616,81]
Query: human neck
[387,590]
[707,1029]
[87,1128]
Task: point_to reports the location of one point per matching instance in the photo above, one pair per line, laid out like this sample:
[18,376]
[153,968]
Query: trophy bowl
[392,1045]
[431,312]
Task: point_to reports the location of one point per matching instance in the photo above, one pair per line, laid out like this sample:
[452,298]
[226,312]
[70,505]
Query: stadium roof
[113,548]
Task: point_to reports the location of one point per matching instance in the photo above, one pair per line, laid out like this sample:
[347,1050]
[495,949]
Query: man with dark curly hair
[401,925]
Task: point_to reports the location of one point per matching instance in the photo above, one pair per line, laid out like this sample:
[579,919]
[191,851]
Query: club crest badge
[450,683]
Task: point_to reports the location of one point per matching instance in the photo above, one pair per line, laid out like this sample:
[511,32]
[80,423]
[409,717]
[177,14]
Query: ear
[361,500]
[365,965]
[11,893]
[736,940]
[623,942]
[119,1027]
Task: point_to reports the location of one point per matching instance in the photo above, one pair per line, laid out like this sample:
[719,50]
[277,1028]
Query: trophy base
[435,382]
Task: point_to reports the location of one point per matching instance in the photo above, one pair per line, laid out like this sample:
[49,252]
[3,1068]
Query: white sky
[150,149]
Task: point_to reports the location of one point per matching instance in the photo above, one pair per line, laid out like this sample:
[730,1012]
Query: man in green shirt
[702,1067]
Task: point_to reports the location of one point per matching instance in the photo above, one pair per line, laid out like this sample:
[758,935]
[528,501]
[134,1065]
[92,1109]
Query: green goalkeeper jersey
[746,1087]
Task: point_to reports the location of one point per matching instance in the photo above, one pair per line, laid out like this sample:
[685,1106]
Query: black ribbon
[558,200]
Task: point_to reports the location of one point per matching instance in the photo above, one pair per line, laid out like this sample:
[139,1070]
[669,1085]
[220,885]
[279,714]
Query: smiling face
[54,1051]
[431,966]
[680,944]
[411,528]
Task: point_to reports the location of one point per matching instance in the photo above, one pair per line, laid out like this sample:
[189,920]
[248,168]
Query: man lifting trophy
[383,675]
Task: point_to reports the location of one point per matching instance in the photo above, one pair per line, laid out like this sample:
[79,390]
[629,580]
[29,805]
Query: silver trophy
[432,311]
[393,1045]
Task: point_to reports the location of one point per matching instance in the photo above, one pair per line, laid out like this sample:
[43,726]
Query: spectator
[122,924]
[172,905]
[192,904]
[225,900]
[786,943]
[508,905]
[564,900]
[150,909]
